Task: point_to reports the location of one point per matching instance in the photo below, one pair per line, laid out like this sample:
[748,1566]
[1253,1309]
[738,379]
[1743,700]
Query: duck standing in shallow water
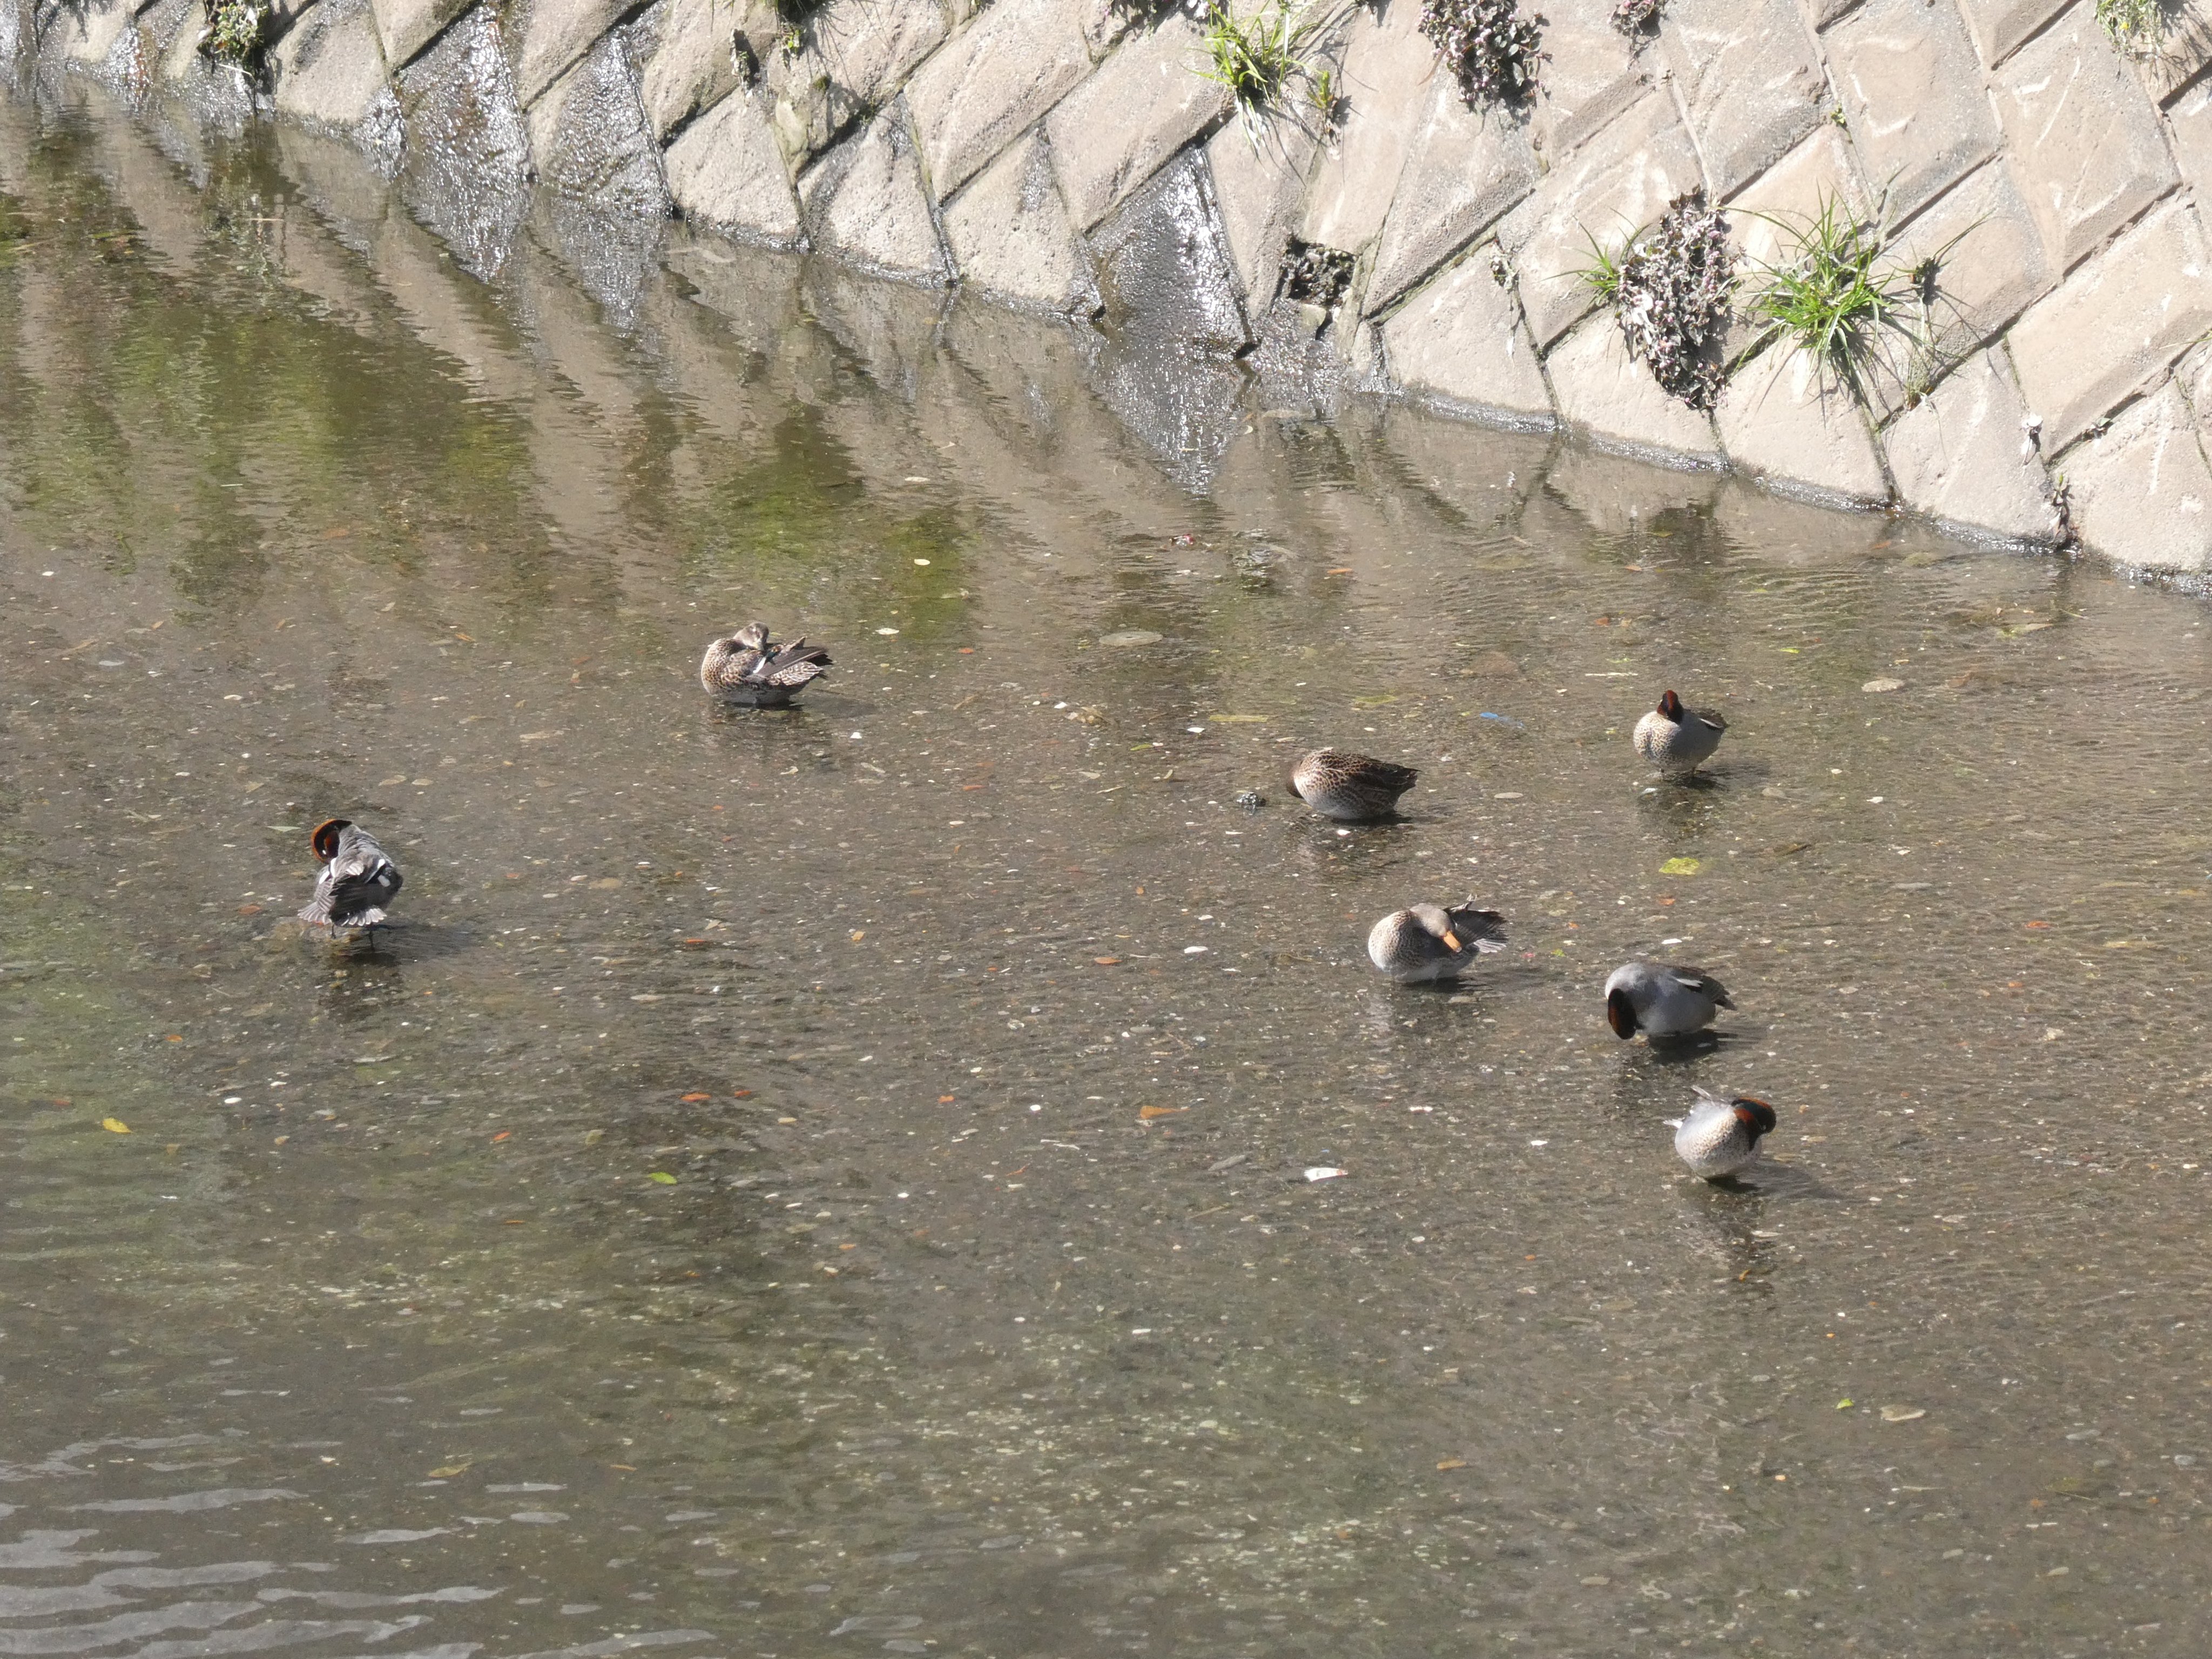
[1426,942]
[1721,1134]
[1674,739]
[750,669]
[1662,999]
[1351,788]
[356,883]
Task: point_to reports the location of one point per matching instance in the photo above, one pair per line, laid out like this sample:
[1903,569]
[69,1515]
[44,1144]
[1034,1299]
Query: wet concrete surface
[833,1182]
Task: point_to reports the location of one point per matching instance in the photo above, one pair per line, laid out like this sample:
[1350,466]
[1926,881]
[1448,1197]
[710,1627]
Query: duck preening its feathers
[1339,784]
[1428,942]
[1722,1133]
[357,883]
[1662,999]
[750,669]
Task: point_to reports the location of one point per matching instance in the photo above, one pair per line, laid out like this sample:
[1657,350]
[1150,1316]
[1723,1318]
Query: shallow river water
[834,1182]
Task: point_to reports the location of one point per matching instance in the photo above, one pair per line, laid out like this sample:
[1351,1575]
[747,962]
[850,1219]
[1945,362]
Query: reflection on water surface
[832,1181]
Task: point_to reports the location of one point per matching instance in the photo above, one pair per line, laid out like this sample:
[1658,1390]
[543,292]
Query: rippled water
[833,1182]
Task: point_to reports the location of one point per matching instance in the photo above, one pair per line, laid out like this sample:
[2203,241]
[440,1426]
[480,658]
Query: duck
[1351,788]
[1721,1133]
[1426,942]
[357,882]
[1662,999]
[750,669]
[1674,739]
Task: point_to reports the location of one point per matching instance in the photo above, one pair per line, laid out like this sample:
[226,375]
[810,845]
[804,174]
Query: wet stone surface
[858,1179]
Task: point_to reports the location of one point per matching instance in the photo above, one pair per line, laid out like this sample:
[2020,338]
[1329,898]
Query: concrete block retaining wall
[1069,156]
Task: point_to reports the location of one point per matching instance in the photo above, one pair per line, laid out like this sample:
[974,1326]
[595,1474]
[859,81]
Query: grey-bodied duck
[357,882]
[1662,999]
[1351,788]
[1674,740]
[1722,1133]
[1425,942]
[750,670]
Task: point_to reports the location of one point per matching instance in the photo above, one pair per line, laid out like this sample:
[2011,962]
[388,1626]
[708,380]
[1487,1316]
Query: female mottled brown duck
[750,670]
[1426,942]
[1351,788]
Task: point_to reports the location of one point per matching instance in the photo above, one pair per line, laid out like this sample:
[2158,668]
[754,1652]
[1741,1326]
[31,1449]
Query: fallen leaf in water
[741,1094]
[1843,1405]
[690,1099]
[594,1136]
[1887,683]
[858,934]
[1453,1463]
[1322,1172]
[249,909]
[662,1176]
[465,638]
[1681,866]
[1148,1113]
[501,1136]
[1108,961]
[447,1472]
[1339,570]
[1901,1413]
[115,1126]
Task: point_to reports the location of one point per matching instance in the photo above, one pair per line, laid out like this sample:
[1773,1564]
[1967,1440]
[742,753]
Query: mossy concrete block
[1964,456]
[87,34]
[1388,63]
[330,68]
[865,200]
[1459,341]
[1615,186]
[2141,493]
[1144,103]
[726,170]
[1465,169]
[1748,78]
[406,26]
[2112,327]
[1999,26]
[1787,423]
[2083,135]
[1012,237]
[853,55]
[1912,92]
[1611,399]
[1591,72]
[977,92]
[1258,176]
[694,63]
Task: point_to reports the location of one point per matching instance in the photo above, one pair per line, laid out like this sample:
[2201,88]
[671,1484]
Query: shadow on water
[855,1176]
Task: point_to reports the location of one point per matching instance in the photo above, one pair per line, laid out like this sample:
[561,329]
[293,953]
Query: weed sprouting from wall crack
[1670,291]
[1835,293]
[234,32]
[2136,23]
[1492,47]
[1636,17]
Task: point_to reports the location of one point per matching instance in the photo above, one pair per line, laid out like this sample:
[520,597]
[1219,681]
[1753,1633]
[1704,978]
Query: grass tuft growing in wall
[2136,23]
[1636,17]
[1836,292]
[1260,56]
[234,32]
[1492,47]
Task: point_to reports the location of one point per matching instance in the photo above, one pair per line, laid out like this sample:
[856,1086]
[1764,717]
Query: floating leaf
[1901,1413]
[1453,1463]
[115,1126]
[662,1176]
[1681,866]
[1322,1172]
[448,1471]
[1843,1405]
[1108,961]
[692,1099]
[1148,1113]
[594,1136]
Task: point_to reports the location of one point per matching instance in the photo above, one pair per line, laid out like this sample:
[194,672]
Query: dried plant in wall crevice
[1493,47]
[1670,290]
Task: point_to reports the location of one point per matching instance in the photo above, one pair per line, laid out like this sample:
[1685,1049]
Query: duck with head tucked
[1351,788]
[1426,942]
[1721,1134]
[1674,739]
[750,670]
[357,882]
[1662,999]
